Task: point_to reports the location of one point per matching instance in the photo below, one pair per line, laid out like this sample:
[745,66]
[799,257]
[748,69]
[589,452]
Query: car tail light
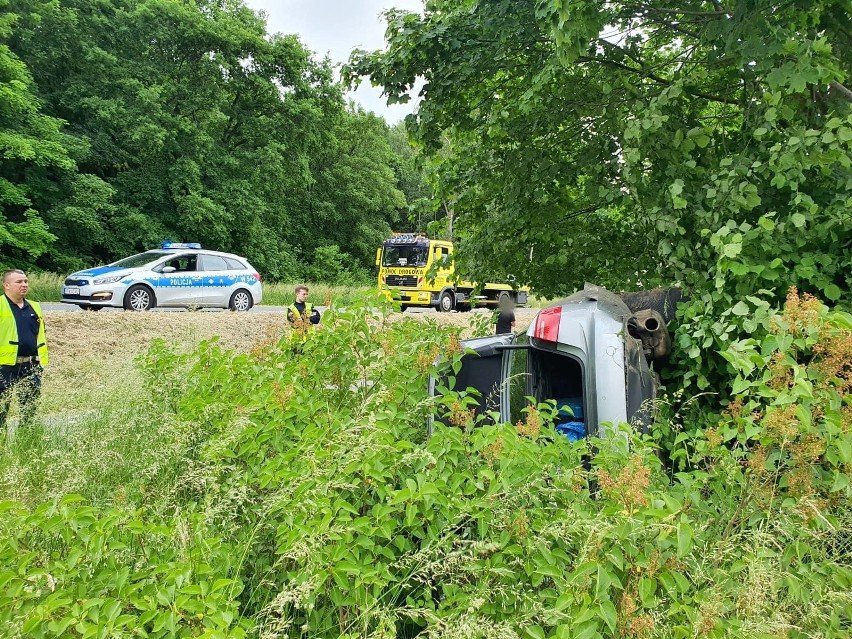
[419,281]
[257,276]
[547,324]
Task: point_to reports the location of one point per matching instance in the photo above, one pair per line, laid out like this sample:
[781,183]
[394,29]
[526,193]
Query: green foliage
[32,149]
[186,121]
[70,570]
[313,493]
[638,144]
[332,266]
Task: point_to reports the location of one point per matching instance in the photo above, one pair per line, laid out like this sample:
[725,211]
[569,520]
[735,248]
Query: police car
[176,275]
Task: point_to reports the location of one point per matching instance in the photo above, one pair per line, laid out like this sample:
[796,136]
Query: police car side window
[183,263]
[214,263]
[234,265]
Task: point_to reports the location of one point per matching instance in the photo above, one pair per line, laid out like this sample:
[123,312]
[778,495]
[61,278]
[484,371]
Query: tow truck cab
[590,352]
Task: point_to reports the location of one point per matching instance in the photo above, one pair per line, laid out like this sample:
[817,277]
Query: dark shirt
[504,322]
[27,322]
[300,306]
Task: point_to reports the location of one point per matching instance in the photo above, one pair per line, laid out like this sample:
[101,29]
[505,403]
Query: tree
[195,124]
[637,143]
[33,150]
[578,121]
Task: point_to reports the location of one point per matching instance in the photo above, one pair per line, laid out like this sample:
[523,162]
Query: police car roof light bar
[188,245]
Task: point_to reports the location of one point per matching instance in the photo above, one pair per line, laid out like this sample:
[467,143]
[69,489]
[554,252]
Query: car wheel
[139,298]
[445,303]
[240,300]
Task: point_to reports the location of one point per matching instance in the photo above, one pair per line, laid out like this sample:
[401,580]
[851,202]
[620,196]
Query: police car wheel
[139,298]
[240,301]
[445,303]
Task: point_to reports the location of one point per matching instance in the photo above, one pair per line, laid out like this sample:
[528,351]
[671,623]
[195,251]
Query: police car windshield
[140,259]
[405,256]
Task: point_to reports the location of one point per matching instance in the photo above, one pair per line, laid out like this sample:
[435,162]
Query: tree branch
[834,84]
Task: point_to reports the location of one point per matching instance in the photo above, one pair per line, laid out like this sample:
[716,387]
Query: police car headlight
[109,280]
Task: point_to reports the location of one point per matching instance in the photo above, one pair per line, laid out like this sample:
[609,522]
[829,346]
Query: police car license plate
[71,290]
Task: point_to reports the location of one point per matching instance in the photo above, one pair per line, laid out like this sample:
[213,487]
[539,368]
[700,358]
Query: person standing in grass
[302,311]
[505,316]
[23,347]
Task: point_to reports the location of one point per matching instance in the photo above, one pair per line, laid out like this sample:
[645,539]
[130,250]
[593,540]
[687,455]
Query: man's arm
[315,317]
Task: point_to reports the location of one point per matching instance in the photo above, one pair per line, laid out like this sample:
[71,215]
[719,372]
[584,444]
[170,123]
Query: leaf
[647,588]
[741,309]
[608,614]
[832,292]
[684,538]
[535,632]
[798,220]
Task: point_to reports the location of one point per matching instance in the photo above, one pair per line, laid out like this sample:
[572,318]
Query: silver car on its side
[176,275]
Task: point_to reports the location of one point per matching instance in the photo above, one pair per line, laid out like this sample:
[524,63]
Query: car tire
[139,298]
[445,302]
[240,300]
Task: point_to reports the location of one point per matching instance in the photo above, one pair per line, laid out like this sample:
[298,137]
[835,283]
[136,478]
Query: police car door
[180,281]
[484,367]
[216,281]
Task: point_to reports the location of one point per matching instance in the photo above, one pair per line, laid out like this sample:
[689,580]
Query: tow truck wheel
[445,303]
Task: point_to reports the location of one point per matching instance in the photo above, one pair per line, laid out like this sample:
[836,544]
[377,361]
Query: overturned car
[594,353]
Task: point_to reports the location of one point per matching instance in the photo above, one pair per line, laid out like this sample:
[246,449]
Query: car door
[181,286]
[484,367]
[216,281]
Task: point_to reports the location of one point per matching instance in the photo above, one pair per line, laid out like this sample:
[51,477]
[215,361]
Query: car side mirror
[168,269]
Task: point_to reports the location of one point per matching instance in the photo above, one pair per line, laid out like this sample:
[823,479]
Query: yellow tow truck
[406,262]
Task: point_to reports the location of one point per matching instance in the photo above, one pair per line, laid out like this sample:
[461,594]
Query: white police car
[175,275]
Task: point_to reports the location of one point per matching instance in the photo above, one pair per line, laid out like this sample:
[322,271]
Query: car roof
[178,251]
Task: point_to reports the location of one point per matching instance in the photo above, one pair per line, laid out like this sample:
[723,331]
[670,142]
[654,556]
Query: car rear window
[234,265]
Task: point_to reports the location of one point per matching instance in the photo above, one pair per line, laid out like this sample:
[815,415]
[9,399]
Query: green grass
[282,293]
[45,287]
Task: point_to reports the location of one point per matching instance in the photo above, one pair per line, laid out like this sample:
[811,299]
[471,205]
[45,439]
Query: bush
[316,493]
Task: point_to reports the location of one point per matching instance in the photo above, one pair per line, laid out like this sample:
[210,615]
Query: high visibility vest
[309,309]
[9,334]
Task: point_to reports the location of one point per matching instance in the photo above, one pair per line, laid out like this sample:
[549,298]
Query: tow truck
[421,272]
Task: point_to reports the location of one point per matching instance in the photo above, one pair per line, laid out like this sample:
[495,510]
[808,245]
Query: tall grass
[45,287]
[282,293]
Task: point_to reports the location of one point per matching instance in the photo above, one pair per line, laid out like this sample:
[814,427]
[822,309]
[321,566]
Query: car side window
[234,265]
[183,263]
[214,263]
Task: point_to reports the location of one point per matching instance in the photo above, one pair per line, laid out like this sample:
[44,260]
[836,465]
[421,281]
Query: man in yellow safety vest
[23,347]
[302,311]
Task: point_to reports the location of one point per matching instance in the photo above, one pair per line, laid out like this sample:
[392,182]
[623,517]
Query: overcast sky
[334,28]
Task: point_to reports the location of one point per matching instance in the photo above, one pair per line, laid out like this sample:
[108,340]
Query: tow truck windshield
[405,256]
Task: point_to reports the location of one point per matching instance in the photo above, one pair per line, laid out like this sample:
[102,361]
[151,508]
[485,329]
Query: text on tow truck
[406,264]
